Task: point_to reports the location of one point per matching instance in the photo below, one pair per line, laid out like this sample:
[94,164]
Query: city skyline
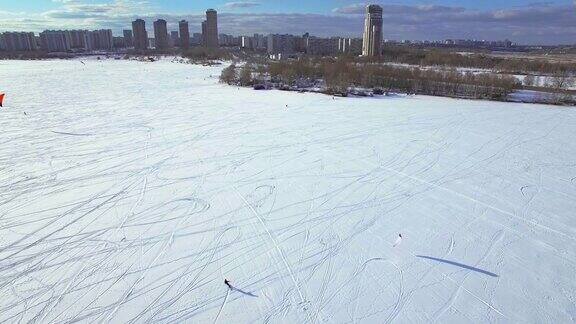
[523,22]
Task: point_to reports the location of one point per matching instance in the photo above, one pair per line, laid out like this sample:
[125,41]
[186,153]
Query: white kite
[398,240]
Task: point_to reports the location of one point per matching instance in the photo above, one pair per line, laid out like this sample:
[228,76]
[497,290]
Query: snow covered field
[129,191]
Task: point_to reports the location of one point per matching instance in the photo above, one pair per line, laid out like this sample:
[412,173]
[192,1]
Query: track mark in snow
[273,240]
[222,306]
[495,240]
[451,245]
[531,222]
[72,134]
[329,206]
[528,192]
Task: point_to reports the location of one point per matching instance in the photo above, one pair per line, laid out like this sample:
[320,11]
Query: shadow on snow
[243,292]
[459,265]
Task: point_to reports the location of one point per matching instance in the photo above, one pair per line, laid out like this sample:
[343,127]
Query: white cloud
[241,5]
[354,9]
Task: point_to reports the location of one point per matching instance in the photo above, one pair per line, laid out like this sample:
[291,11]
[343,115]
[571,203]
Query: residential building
[184,34]
[259,41]
[372,40]
[161,34]
[321,46]
[247,42]
[197,39]
[282,44]
[174,38]
[100,40]
[204,32]
[78,39]
[119,42]
[140,34]
[56,40]
[128,38]
[18,41]
[211,29]
[229,40]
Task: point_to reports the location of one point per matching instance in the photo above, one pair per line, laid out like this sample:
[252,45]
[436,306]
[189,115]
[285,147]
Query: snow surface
[130,190]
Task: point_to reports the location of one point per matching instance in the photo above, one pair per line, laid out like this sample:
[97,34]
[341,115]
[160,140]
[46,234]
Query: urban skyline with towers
[522,21]
[165,38]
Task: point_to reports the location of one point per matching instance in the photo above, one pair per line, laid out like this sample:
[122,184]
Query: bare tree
[228,75]
[246,75]
[562,80]
[529,80]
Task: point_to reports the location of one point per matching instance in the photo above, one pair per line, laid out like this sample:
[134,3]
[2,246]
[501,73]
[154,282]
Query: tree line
[437,57]
[340,75]
[204,54]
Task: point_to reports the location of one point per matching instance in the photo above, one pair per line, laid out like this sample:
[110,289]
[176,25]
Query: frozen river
[129,191]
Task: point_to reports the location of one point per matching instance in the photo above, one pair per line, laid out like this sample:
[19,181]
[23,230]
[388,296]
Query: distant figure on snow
[286,106]
[398,240]
[227,282]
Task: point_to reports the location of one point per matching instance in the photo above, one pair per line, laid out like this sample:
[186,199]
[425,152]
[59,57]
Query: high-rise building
[140,34]
[196,39]
[78,39]
[119,42]
[100,40]
[161,34]
[174,38]
[372,42]
[260,41]
[184,34]
[228,40]
[320,46]
[56,40]
[247,42]
[204,32]
[17,41]
[282,44]
[211,34]
[128,39]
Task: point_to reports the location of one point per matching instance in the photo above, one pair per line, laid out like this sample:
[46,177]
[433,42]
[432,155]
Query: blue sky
[275,6]
[548,22]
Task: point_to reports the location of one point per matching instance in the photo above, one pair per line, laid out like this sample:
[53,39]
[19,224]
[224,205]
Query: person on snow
[227,282]
[398,240]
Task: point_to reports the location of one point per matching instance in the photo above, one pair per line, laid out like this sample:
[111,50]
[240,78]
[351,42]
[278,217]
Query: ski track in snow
[129,190]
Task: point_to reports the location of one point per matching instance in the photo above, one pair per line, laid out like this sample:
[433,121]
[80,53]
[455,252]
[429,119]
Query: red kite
[1,99]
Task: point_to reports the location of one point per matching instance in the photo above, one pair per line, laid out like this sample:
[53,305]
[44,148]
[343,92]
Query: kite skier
[398,240]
